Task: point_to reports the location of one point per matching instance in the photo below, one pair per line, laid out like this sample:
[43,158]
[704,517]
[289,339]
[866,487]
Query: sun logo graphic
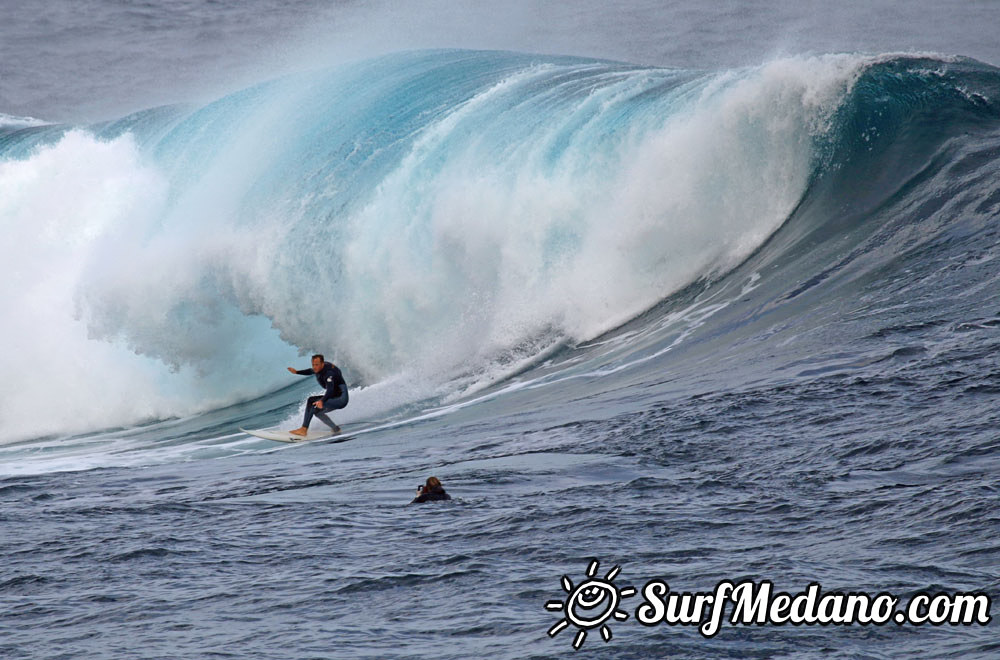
[590,604]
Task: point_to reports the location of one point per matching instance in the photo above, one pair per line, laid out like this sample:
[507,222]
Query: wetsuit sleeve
[304,372]
[419,499]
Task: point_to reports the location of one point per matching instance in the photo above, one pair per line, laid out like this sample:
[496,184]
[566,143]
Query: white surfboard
[285,436]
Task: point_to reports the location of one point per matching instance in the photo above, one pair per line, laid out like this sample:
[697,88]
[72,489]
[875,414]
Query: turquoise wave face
[439,217]
[466,195]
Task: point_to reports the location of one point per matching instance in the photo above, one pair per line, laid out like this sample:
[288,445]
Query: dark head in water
[432,491]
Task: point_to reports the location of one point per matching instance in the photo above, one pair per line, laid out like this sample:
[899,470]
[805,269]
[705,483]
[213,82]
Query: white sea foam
[67,209]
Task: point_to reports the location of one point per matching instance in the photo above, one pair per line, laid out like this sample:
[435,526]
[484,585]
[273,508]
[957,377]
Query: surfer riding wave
[334,398]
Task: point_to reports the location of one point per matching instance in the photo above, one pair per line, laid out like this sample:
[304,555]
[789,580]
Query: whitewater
[702,320]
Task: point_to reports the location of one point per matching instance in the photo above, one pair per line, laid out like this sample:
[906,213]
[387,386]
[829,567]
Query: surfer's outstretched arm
[300,372]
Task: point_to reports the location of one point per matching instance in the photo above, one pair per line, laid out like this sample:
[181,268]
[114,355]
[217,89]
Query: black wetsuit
[433,495]
[330,379]
[335,397]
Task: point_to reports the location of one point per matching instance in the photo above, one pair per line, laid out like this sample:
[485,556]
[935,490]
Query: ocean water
[703,292]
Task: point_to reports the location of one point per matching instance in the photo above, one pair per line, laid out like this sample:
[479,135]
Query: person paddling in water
[335,397]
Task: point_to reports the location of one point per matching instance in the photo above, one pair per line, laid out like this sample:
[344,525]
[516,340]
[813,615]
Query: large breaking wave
[431,220]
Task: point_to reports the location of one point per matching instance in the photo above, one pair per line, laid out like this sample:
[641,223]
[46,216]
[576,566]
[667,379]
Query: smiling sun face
[590,604]
[584,603]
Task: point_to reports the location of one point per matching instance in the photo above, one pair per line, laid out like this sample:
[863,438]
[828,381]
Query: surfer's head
[318,362]
[432,483]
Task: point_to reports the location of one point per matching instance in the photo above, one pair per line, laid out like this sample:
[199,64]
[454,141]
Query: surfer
[432,491]
[329,377]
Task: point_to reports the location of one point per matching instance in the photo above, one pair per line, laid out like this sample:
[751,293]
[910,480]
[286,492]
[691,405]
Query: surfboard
[285,436]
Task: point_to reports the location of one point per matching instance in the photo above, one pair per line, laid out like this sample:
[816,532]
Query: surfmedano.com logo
[592,603]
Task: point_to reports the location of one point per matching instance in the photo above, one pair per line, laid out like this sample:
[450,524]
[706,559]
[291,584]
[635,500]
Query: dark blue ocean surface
[713,320]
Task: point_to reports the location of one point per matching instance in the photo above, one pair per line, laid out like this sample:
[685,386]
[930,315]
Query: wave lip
[10,121]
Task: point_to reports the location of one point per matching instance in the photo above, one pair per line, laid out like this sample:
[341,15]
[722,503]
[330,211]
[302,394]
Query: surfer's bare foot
[299,431]
[336,429]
